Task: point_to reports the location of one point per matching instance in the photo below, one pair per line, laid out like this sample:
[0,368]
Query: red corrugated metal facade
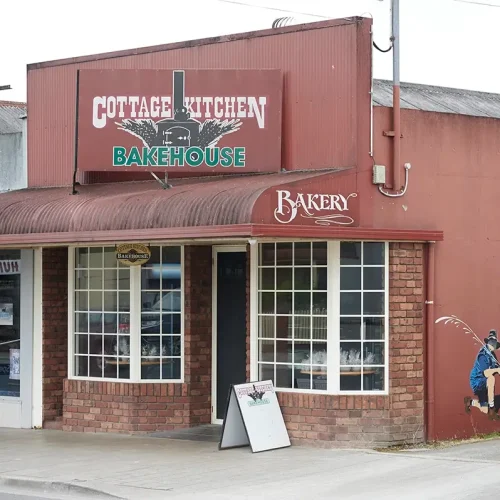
[323,113]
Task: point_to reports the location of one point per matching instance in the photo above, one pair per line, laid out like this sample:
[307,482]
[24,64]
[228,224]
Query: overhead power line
[245,4]
[484,4]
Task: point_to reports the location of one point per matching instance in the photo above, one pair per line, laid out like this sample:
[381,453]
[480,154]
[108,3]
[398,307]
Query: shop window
[10,322]
[322,316]
[362,319]
[127,320]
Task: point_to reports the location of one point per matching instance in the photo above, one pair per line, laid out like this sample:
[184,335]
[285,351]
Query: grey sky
[443,42]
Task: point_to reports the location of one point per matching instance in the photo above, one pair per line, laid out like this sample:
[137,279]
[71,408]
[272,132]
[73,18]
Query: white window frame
[333,319]
[135,322]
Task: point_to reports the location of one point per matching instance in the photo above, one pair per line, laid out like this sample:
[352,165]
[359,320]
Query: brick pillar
[406,341]
[198,331]
[54,331]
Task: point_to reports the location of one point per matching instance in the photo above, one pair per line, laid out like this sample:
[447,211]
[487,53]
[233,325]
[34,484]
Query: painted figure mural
[482,378]
[484,370]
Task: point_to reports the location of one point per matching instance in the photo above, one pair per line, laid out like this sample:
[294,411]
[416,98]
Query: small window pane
[283,303]
[320,329]
[81,366]
[82,257]
[110,279]
[350,328]
[110,301]
[81,301]
[373,353]
[284,252]
[95,258]
[171,323]
[150,368]
[350,353]
[350,303]
[95,366]
[284,376]
[284,279]
[374,328]
[302,253]
[81,280]
[350,278]
[320,275]
[95,323]
[124,301]
[302,328]
[124,346]
[151,346]
[95,279]
[170,302]
[373,253]
[319,353]
[124,279]
[284,351]
[320,253]
[267,254]
[267,303]
[82,344]
[110,344]
[302,352]
[373,303]
[302,278]
[155,257]
[95,344]
[373,378]
[110,323]
[267,279]
[284,327]
[82,322]
[350,253]
[266,326]
[373,278]
[95,301]
[266,372]
[350,380]
[171,369]
[171,345]
[171,255]
[109,257]
[302,303]
[266,350]
[319,303]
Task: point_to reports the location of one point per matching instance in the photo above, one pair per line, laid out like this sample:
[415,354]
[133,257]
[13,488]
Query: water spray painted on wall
[486,367]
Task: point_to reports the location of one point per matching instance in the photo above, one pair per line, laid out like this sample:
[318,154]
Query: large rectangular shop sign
[189,121]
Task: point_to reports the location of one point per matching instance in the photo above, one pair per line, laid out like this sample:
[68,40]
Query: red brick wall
[368,421]
[54,330]
[148,407]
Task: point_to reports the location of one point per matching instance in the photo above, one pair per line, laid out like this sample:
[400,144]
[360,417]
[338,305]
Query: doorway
[229,324]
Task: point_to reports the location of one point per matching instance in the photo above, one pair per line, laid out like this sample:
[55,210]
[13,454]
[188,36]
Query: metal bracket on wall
[390,133]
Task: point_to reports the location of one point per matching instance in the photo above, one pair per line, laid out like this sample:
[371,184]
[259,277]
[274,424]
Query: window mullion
[333,320]
[135,323]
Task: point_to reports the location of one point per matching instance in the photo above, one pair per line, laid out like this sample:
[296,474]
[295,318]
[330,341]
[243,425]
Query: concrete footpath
[77,465]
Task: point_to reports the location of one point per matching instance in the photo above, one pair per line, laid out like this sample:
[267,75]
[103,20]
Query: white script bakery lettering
[324,209]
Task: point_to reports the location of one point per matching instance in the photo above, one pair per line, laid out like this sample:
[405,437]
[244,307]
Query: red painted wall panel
[326,68]
[454,186]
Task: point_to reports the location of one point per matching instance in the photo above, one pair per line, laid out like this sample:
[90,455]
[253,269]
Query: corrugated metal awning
[205,208]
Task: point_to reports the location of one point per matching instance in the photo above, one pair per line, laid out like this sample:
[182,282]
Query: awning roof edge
[235,231]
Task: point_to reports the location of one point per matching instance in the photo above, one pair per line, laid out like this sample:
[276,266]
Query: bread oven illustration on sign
[181,130]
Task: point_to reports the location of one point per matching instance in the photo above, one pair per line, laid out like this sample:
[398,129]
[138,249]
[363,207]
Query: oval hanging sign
[133,254]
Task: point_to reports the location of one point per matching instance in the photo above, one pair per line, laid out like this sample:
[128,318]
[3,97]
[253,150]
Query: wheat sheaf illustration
[211,131]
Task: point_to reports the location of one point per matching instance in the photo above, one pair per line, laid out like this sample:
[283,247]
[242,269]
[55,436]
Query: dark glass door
[231,324]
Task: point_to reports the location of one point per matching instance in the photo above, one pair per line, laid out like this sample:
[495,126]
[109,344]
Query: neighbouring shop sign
[10,267]
[196,121]
[318,208]
[133,254]
[253,417]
